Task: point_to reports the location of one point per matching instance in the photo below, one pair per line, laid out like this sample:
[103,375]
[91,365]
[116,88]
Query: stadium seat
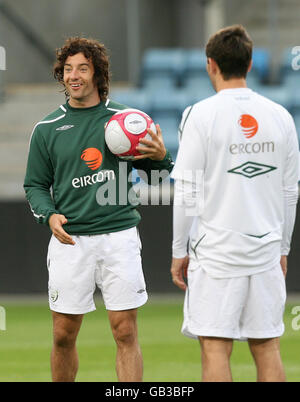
[195,64]
[290,68]
[253,81]
[200,81]
[291,80]
[276,93]
[287,60]
[162,81]
[198,96]
[167,109]
[162,62]
[291,83]
[261,63]
[134,98]
[169,125]
[196,60]
[170,101]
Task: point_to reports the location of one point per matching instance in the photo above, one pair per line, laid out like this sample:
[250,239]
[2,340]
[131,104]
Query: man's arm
[185,209]
[188,175]
[290,193]
[39,179]
[37,184]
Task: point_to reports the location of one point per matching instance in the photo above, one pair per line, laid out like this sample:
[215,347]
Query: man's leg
[64,358]
[266,354]
[129,361]
[216,354]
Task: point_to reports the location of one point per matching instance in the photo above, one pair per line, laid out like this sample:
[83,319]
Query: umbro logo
[63,128]
[252,169]
[141,291]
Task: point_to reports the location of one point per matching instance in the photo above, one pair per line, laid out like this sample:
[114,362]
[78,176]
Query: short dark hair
[92,49]
[231,48]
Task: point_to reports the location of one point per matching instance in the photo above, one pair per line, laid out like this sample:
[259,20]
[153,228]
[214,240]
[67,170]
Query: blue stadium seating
[291,80]
[195,64]
[167,108]
[163,81]
[172,79]
[261,59]
[162,62]
[175,100]
[200,82]
[253,80]
[277,94]
[287,60]
[196,60]
[134,98]
[169,126]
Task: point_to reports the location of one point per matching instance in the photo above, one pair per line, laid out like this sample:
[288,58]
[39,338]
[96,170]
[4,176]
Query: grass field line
[39,298]
[155,298]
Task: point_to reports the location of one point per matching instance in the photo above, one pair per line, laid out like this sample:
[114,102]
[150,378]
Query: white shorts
[110,261]
[235,308]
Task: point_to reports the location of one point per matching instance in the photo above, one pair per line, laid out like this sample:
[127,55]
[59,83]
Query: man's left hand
[283,263]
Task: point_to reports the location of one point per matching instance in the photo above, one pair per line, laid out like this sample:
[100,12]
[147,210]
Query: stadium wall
[159,23]
[168,23]
[23,246]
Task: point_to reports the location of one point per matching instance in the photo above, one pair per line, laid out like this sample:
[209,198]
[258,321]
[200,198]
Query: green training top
[70,171]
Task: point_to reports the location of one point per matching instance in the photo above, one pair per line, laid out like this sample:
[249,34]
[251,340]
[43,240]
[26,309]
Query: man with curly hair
[91,245]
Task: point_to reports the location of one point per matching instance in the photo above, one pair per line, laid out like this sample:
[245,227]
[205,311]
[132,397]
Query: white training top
[238,164]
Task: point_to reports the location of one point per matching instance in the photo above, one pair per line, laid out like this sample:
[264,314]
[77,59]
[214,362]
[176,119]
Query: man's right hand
[179,271]
[56,222]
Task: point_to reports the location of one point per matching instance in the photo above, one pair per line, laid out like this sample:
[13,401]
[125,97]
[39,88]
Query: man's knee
[261,347]
[211,346]
[124,333]
[65,330]
[64,338]
[124,327]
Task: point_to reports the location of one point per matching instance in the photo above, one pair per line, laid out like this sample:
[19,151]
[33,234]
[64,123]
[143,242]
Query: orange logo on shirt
[92,157]
[249,125]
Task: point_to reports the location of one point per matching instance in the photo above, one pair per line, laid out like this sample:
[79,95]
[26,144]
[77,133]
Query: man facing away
[237,173]
[93,244]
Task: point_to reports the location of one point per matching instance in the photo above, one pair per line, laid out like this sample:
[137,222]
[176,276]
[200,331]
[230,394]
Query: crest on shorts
[53,295]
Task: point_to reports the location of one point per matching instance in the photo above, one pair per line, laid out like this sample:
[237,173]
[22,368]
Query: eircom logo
[2,58]
[248,125]
[92,157]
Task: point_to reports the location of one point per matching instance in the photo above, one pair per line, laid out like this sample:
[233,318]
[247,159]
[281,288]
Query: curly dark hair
[92,49]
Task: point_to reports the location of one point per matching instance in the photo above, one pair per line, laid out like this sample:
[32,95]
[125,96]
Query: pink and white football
[124,129]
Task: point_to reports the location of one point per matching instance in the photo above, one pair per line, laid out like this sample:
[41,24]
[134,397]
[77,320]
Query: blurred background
[158,64]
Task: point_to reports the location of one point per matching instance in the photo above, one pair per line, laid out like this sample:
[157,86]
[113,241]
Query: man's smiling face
[79,81]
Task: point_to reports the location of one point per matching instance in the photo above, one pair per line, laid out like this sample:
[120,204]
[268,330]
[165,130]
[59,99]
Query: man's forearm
[186,205]
[290,204]
[41,203]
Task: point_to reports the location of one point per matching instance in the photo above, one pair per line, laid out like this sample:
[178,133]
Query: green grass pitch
[168,356]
